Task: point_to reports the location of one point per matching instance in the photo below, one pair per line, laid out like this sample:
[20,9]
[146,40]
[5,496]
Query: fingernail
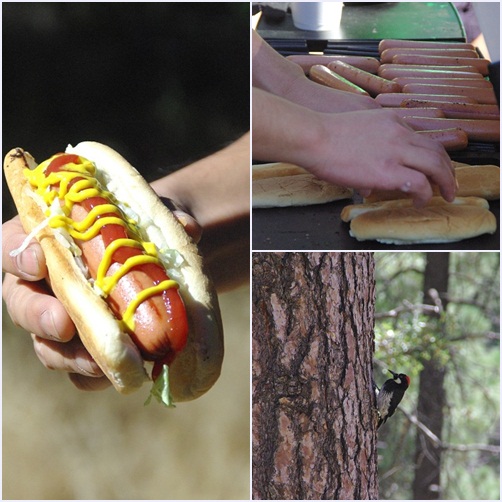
[28,264]
[86,366]
[48,325]
[175,207]
[183,218]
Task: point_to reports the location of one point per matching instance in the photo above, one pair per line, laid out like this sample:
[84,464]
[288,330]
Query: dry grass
[61,443]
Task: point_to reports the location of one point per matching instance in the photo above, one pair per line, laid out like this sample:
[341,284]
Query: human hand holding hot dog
[31,305]
[365,150]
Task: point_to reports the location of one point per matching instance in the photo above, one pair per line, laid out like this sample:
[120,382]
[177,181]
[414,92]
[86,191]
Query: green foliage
[464,339]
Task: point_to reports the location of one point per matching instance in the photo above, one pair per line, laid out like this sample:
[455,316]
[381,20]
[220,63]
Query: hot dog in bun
[129,276]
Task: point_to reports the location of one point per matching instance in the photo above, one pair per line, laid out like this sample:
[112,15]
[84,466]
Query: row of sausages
[440,89]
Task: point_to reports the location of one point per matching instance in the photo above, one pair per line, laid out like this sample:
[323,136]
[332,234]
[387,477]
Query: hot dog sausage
[133,281]
[452,139]
[368,64]
[484,96]
[373,84]
[465,82]
[388,54]
[480,64]
[420,112]
[457,110]
[390,43]
[391,71]
[396,99]
[477,130]
[323,75]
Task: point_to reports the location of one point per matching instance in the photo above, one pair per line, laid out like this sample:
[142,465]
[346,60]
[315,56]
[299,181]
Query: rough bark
[313,420]
[431,395]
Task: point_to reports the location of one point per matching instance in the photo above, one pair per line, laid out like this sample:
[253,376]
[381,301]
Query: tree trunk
[314,425]
[431,395]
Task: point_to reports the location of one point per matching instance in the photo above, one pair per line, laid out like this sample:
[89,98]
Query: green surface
[409,20]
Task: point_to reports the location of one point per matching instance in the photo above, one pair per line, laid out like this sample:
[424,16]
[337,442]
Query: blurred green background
[165,84]
[463,344]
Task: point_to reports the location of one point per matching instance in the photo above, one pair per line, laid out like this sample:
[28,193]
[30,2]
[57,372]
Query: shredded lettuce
[160,389]
[27,240]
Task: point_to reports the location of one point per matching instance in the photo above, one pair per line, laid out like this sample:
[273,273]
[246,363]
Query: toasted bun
[198,366]
[399,222]
[473,181]
[281,185]
[479,181]
[352,211]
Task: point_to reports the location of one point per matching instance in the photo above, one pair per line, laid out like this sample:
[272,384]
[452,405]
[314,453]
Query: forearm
[325,99]
[282,131]
[272,72]
[215,190]
[275,74]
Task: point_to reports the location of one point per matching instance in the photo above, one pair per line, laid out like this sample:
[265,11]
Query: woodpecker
[390,396]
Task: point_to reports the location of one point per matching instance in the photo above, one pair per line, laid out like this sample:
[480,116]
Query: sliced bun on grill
[473,181]
[280,185]
[399,222]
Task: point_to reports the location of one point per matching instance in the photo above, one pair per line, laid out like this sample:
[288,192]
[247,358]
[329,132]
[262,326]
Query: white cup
[316,16]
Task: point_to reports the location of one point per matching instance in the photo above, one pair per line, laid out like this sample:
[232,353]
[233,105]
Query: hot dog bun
[281,184]
[198,366]
[399,222]
[473,181]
